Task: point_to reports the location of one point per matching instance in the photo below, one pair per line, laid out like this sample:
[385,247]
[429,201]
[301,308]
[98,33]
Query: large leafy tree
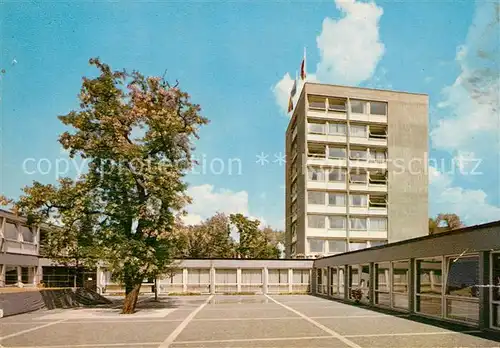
[444,222]
[136,134]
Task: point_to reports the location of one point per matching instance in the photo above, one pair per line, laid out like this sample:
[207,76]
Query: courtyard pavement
[233,321]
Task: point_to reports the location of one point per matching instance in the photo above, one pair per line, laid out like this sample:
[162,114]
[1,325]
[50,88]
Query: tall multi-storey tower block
[356,171]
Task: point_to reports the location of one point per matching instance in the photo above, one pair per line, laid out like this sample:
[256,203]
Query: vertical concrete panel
[411,286]
[484,291]
[408,174]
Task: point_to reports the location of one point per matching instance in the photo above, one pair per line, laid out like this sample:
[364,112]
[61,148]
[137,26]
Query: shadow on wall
[28,301]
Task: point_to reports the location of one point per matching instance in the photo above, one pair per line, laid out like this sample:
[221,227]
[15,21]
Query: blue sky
[233,57]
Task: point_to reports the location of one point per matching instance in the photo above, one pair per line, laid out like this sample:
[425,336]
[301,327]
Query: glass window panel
[316,245]
[400,300]
[357,224]
[334,104]
[429,279]
[316,128]
[360,178]
[496,276]
[358,200]
[225,276]
[336,199]
[316,221]
[383,299]
[496,315]
[382,276]
[316,174]
[358,154]
[315,197]
[337,152]
[462,310]
[429,305]
[337,128]
[337,246]
[378,224]
[378,108]
[375,243]
[353,276]
[400,276]
[365,276]
[28,235]
[336,175]
[358,131]
[357,246]
[341,280]
[10,231]
[463,276]
[337,222]
[358,106]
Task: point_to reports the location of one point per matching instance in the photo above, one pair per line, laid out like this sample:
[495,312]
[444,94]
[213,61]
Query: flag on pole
[293,91]
[303,67]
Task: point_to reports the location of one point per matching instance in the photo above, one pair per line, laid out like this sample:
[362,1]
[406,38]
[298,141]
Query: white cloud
[470,205]
[207,201]
[472,102]
[349,49]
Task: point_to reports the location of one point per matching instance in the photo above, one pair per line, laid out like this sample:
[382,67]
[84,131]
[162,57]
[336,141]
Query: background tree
[253,242]
[210,239]
[444,222]
[136,135]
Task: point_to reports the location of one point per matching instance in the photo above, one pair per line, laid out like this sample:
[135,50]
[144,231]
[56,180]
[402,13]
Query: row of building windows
[444,286]
[355,130]
[340,175]
[330,246]
[357,106]
[338,199]
[340,152]
[13,231]
[337,222]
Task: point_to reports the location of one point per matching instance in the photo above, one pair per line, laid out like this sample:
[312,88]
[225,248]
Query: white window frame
[415,294]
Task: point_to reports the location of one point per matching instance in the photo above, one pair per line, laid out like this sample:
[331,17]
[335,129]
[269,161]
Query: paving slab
[248,329]
[275,312]
[367,325]
[67,334]
[286,343]
[425,341]
[7,328]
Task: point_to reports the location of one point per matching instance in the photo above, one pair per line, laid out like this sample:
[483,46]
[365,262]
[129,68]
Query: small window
[378,224]
[336,105]
[316,128]
[378,108]
[336,246]
[336,175]
[358,131]
[317,103]
[10,231]
[27,233]
[316,174]
[358,224]
[358,200]
[358,178]
[337,129]
[337,222]
[316,221]
[315,197]
[336,152]
[358,155]
[357,246]
[336,199]
[316,245]
[358,106]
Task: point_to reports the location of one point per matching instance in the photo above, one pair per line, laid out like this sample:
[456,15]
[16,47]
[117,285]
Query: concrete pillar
[346,282]
[2,275]
[371,288]
[212,280]
[290,280]
[39,274]
[431,278]
[328,281]
[238,279]
[484,292]
[19,274]
[411,286]
[265,278]
[184,279]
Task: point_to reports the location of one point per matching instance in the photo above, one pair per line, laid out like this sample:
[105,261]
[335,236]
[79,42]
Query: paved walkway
[232,321]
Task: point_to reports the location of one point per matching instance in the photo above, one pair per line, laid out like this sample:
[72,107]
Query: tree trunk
[131,299]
